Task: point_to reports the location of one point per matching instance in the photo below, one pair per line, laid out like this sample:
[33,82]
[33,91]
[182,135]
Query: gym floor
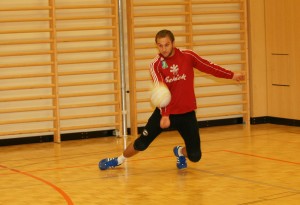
[239,166]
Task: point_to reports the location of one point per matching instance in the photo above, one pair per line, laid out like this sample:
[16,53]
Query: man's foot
[181,161]
[108,163]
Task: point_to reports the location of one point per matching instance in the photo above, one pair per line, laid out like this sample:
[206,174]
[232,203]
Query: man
[174,68]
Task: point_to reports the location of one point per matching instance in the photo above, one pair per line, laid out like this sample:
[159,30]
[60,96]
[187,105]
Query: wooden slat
[221,104]
[195,23]
[197,85]
[32,75]
[155,14]
[25,31]
[29,131]
[233,62]
[158,24]
[25,98]
[225,52]
[86,28]
[142,122]
[145,110]
[216,1]
[68,95]
[139,90]
[224,114]
[107,114]
[91,126]
[23,87]
[25,41]
[27,120]
[158,3]
[65,18]
[87,72]
[144,46]
[217,12]
[143,100]
[97,60]
[25,53]
[86,38]
[81,50]
[146,57]
[82,6]
[71,106]
[215,94]
[142,69]
[147,78]
[10,20]
[219,32]
[27,8]
[26,109]
[218,42]
[230,62]
[99,82]
[14,65]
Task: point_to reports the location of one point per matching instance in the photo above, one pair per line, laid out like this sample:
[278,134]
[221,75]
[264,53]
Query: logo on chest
[174,69]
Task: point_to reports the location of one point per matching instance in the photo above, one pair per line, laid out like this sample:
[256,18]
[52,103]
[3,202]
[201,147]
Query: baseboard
[50,138]
[220,122]
[259,120]
[284,121]
[275,120]
[107,133]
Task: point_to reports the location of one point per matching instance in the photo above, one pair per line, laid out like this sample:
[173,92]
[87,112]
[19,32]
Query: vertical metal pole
[122,67]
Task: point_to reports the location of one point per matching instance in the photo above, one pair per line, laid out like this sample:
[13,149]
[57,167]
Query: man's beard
[171,52]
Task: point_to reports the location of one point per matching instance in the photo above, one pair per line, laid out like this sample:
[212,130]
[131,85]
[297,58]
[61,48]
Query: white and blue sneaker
[181,161]
[108,163]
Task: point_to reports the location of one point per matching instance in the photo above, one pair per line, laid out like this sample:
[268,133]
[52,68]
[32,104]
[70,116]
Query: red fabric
[178,74]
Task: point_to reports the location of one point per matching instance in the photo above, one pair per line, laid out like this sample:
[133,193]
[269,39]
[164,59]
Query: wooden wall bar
[217,30]
[59,67]
[59,61]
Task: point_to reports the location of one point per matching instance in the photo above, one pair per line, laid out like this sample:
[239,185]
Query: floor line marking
[247,180]
[262,157]
[60,191]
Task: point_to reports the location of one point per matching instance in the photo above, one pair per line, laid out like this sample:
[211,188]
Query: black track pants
[187,126]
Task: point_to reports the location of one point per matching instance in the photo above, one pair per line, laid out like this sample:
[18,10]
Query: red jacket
[178,74]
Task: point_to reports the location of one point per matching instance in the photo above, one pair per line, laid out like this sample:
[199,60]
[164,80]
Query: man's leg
[150,132]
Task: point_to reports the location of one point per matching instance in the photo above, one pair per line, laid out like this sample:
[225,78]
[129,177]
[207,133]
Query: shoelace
[110,162]
[181,159]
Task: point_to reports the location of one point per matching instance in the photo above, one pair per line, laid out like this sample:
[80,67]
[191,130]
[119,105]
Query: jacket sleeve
[156,76]
[209,67]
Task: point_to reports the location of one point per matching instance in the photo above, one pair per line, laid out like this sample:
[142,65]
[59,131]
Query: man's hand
[164,122]
[238,76]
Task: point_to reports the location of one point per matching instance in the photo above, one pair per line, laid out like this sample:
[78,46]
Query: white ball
[160,96]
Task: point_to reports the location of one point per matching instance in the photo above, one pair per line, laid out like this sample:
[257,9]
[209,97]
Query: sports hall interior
[75,87]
